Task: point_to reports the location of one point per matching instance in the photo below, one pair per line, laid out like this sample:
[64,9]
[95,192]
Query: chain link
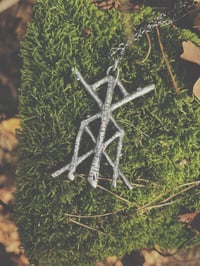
[180,8]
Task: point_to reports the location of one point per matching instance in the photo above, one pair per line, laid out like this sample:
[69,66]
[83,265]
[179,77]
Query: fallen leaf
[25,13]
[110,261]
[196,89]
[6,194]
[11,124]
[8,140]
[9,236]
[192,220]
[3,179]
[180,257]
[187,217]
[191,52]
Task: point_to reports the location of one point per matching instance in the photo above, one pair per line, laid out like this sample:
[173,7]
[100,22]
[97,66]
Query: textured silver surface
[105,116]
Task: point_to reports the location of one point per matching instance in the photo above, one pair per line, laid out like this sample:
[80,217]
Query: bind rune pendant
[100,142]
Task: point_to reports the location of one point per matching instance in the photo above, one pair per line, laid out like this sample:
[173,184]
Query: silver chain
[162,19]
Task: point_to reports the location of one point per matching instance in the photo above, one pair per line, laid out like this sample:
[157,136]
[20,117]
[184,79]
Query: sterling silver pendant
[105,117]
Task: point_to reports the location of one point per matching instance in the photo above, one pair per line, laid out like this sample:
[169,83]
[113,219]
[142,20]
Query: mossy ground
[161,130]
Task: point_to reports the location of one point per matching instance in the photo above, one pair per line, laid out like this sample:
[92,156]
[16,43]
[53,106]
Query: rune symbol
[105,116]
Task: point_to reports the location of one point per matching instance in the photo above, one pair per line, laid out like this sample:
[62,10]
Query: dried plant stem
[149,50]
[191,186]
[140,210]
[5,4]
[87,227]
[115,195]
[93,216]
[166,202]
[167,62]
[195,183]
[120,181]
[110,180]
[148,208]
[147,205]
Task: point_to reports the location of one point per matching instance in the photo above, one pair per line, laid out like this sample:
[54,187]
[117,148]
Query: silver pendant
[105,116]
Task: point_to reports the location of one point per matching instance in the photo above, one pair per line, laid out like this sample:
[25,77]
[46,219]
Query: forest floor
[13,21]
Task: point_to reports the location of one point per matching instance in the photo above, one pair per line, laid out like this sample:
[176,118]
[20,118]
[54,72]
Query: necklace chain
[163,19]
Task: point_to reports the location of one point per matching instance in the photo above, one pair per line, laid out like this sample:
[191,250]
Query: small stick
[149,50]
[115,195]
[87,227]
[94,216]
[181,192]
[144,209]
[167,62]
[5,4]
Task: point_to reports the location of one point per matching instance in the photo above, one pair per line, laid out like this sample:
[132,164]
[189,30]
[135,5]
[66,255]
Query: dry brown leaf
[110,261]
[191,52]
[182,257]
[153,258]
[8,140]
[113,261]
[196,89]
[192,220]
[4,5]
[187,217]
[3,179]
[9,236]
[11,124]
[6,194]
[25,13]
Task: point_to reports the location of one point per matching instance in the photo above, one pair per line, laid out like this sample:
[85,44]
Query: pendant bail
[114,68]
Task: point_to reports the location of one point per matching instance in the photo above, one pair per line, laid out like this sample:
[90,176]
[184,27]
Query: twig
[120,181]
[5,4]
[93,216]
[193,184]
[87,227]
[84,176]
[143,209]
[149,203]
[167,62]
[149,50]
[166,201]
[115,195]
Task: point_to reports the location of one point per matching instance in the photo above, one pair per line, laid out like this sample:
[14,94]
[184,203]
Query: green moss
[162,130]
